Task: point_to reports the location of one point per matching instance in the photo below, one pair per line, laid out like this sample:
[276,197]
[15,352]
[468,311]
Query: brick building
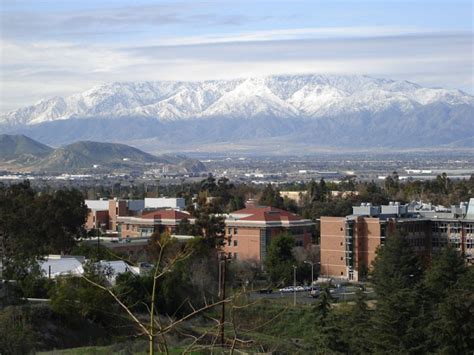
[103,213]
[147,222]
[349,244]
[249,231]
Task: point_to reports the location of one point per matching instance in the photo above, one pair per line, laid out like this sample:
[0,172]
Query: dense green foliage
[279,261]
[36,224]
[420,308]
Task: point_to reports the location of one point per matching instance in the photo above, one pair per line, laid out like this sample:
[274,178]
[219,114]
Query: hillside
[21,148]
[23,153]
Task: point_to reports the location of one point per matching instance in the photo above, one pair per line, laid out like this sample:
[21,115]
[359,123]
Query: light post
[294,285]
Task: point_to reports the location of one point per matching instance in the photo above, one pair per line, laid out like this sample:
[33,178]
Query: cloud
[30,72]
[101,23]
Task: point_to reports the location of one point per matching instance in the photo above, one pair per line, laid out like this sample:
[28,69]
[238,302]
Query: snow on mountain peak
[283,96]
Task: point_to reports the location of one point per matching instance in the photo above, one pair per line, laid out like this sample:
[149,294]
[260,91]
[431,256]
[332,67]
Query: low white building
[59,265]
[165,202]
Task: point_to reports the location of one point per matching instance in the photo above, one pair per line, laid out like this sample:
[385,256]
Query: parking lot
[343,294]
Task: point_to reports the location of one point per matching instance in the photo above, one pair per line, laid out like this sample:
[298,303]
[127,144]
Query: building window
[235,230]
[229,241]
[235,243]
[342,258]
[235,255]
[469,228]
[229,230]
[470,243]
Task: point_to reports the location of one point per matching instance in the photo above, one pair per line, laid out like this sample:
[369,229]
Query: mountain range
[18,152]
[312,110]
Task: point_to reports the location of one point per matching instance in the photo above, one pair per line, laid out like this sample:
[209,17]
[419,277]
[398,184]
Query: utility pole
[294,285]
[223,265]
[96,231]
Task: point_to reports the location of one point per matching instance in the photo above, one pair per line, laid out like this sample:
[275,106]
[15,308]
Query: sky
[57,48]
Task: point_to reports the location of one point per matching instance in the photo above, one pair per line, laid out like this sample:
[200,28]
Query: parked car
[265,290]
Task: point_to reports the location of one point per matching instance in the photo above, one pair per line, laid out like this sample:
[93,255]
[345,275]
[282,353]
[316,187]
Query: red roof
[166,214]
[266,213]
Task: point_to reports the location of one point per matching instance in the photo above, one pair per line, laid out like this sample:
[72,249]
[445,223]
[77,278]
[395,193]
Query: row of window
[234,229]
[229,255]
[444,227]
[229,242]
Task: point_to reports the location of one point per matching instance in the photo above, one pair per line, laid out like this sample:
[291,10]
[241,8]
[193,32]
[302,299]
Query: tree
[165,284]
[74,295]
[33,225]
[398,317]
[449,286]
[271,197]
[357,325]
[209,225]
[396,266]
[327,327]
[392,183]
[322,306]
[280,260]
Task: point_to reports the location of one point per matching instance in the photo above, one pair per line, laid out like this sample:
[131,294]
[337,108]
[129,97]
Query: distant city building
[348,244]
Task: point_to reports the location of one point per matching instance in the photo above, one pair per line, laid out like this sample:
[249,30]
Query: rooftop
[266,215]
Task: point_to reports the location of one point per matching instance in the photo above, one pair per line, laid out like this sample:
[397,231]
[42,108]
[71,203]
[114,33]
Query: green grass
[129,348]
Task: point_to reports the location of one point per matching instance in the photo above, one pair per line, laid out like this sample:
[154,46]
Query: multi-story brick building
[249,231]
[104,213]
[146,223]
[349,244]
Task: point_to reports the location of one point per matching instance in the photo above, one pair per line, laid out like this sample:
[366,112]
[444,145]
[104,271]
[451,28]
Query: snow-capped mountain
[296,103]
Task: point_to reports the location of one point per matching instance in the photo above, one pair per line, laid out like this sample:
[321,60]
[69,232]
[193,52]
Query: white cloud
[30,72]
[294,33]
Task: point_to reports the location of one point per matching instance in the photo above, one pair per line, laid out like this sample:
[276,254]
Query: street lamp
[294,285]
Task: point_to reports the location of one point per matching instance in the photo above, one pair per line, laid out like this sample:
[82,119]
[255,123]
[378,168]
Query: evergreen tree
[358,325]
[449,286]
[397,272]
[271,197]
[327,327]
[280,260]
